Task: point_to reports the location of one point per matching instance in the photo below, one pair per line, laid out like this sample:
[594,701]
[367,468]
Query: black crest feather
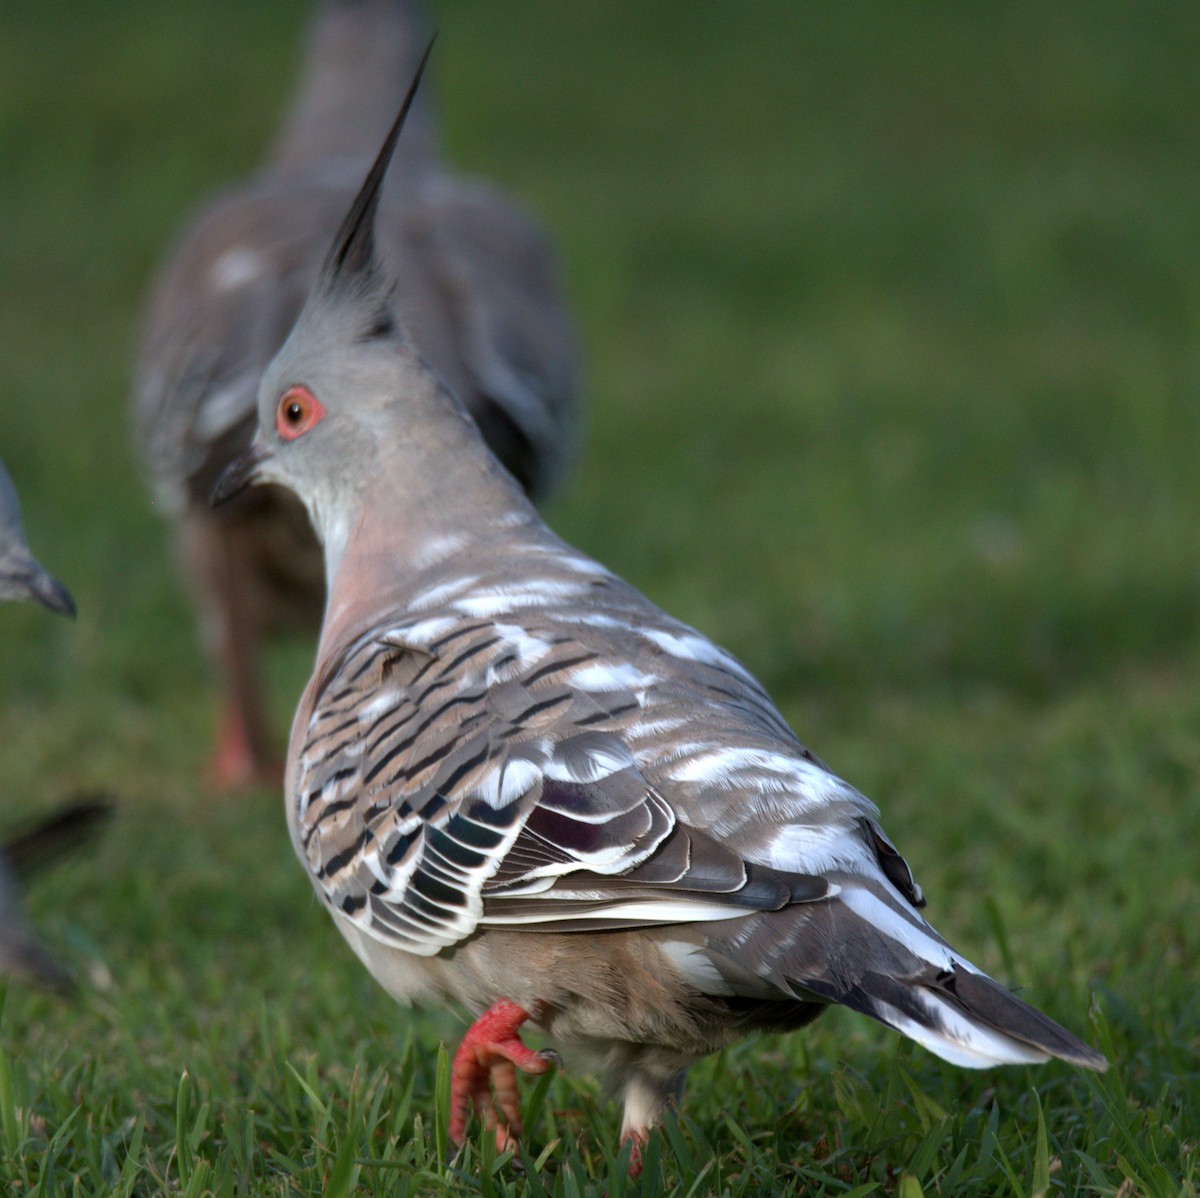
[351,259]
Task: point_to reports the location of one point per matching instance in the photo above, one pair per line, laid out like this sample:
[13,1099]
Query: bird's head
[21,575]
[347,386]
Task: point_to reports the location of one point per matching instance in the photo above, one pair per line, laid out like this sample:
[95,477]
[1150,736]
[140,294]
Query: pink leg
[484,1073]
[238,760]
[649,1089]
[218,557]
[636,1141]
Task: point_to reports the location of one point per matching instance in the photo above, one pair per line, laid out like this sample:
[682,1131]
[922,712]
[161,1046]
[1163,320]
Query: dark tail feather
[870,951]
[988,1001]
[968,1019]
[66,830]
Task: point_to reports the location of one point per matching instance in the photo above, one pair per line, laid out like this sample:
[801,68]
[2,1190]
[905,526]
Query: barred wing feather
[437,794]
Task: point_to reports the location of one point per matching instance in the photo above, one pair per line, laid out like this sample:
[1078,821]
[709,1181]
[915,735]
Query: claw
[484,1073]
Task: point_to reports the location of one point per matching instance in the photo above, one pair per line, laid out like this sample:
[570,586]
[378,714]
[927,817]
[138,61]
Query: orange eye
[298,411]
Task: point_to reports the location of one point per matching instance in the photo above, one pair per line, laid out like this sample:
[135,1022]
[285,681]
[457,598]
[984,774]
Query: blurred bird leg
[241,756]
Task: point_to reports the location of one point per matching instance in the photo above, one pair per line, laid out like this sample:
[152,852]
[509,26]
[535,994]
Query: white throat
[333,531]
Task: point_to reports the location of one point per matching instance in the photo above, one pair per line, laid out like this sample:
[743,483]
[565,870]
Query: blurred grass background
[891,317]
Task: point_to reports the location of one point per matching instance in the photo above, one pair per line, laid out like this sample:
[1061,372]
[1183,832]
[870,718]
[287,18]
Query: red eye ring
[297,411]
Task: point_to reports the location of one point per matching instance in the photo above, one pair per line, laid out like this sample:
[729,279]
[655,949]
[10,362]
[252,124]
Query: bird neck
[360,59]
[453,494]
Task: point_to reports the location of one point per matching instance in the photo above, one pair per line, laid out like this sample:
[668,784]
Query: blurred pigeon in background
[477,290]
[21,955]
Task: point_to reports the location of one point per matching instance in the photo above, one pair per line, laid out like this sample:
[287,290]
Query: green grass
[892,321]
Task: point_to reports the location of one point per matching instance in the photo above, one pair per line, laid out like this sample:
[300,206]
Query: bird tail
[878,956]
[968,1019]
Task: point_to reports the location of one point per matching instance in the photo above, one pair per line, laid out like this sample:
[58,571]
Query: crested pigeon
[520,787]
[477,291]
[22,577]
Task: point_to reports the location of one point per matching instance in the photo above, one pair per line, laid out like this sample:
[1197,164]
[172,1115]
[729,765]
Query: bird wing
[452,777]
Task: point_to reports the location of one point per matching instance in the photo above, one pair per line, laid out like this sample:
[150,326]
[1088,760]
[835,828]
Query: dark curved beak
[51,593]
[24,578]
[241,473]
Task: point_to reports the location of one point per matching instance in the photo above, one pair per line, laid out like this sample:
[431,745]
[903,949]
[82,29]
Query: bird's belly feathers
[406,977]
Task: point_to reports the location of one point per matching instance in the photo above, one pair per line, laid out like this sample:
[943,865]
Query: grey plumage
[476,287]
[504,745]
[23,577]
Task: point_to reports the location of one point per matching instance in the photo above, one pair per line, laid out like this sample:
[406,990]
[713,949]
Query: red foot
[236,764]
[488,1059]
[636,1141]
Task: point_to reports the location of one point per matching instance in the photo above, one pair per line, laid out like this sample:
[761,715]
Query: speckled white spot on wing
[733,764]
[598,620]
[584,565]
[513,519]
[508,782]
[502,600]
[527,647]
[420,632]
[659,726]
[443,592]
[235,268]
[375,707]
[601,676]
[438,549]
[817,849]
[691,646]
